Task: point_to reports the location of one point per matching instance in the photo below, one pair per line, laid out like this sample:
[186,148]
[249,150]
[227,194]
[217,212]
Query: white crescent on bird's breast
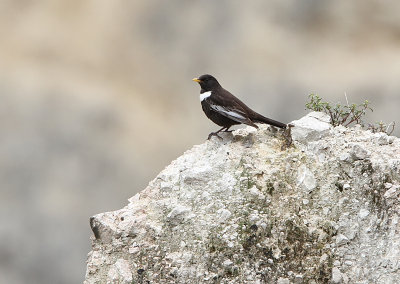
[204,95]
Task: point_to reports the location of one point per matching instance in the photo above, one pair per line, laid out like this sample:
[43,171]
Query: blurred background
[96,98]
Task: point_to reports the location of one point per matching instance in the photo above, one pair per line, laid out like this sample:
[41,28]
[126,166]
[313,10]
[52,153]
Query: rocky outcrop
[241,210]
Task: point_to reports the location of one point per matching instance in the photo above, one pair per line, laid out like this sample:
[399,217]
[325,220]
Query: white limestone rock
[337,277]
[363,213]
[382,138]
[313,126]
[120,272]
[306,179]
[357,152]
[241,210]
[341,240]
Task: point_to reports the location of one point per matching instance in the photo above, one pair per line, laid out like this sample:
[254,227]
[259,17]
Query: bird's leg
[226,130]
[216,133]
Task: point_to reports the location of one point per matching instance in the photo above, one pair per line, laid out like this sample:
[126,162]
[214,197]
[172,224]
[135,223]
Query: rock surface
[326,210]
[313,126]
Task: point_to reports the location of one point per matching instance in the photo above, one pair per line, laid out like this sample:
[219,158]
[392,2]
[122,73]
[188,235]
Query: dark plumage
[225,109]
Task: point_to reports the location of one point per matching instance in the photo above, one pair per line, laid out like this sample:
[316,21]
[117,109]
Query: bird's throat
[204,95]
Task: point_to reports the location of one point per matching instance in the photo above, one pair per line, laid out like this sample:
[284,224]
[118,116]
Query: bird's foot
[214,134]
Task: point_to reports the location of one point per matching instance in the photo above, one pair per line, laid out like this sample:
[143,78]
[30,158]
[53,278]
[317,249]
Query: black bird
[225,109]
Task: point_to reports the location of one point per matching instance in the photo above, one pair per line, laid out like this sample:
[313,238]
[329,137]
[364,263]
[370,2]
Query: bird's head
[207,82]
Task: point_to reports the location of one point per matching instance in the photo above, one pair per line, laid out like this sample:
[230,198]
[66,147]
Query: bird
[224,109]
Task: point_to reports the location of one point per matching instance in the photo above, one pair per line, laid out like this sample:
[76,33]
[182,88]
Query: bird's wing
[228,105]
[232,113]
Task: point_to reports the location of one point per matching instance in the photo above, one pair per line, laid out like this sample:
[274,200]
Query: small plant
[340,115]
[382,127]
[347,115]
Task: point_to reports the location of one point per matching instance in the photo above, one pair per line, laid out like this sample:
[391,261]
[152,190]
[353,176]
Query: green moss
[216,244]
[247,180]
[262,246]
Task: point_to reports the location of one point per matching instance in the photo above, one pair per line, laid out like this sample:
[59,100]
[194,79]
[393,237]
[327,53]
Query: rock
[336,263]
[341,240]
[227,263]
[391,192]
[346,186]
[323,258]
[336,275]
[348,262]
[388,185]
[381,138]
[178,214]
[358,152]
[345,157]
[298,279]
[246,216]
[283,281]
[306,179]
[313,126]
[363,213]
[223,215]
[120,272]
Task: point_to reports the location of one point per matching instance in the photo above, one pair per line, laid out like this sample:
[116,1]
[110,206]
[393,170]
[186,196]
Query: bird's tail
[262,119]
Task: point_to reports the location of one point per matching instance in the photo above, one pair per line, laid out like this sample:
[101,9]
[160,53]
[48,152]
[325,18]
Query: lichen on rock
[241,210]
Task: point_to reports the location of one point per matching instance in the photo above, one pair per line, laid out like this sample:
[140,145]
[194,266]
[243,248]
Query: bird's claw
[214,134]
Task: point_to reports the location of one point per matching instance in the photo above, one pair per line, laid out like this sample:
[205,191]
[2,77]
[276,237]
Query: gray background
[97,98]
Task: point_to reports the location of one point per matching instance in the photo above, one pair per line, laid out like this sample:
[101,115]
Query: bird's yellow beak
[196,80]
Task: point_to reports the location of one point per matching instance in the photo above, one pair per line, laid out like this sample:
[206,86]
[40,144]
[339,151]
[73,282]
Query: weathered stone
[283,281]
[336,275]
[363,213]
[313,126]
[358,152]
[241,210]
[120,272]
[381,138]
[341,240]
[306,179]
